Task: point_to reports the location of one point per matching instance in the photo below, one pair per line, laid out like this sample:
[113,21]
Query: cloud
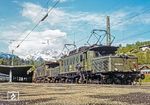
[51,35]
[66,19]
[42,43]
[145,18]
[15,1]
[32,11]
[125,18]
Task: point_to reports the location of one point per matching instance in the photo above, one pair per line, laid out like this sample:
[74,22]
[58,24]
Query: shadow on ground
[131,98]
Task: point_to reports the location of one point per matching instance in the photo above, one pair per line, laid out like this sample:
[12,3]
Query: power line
[132,17]
[79,41]
[13,40]
[146,10]
[38,23]
[81,25]
[74,38]
[134,35]
[47,3]
[36,17]
[123,22]
[53,6]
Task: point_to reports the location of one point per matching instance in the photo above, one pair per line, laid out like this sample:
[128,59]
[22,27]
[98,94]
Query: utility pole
[12,59]
[10,71]
[108,35]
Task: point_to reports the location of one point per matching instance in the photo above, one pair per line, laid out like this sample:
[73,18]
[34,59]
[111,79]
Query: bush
[147,78]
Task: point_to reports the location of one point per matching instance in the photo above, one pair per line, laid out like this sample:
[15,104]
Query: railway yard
[75,94]
[75,53]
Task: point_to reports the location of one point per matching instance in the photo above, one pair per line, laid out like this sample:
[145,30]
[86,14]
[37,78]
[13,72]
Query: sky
[70,21]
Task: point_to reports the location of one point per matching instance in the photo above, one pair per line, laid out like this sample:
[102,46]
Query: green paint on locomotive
[68,64]
[114,63]
[92,60]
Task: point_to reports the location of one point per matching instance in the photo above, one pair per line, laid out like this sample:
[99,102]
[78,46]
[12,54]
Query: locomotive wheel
[90,81]
[72,80]
[109,81]
[87,80]
[67,80]
[117,81]
[81,80]
[76,80]
[63,79]
[142,76]
[129,82]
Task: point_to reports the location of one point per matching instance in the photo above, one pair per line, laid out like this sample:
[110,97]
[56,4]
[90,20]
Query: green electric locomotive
[95,63]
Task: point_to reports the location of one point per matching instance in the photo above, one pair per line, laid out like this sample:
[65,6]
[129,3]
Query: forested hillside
[136,49]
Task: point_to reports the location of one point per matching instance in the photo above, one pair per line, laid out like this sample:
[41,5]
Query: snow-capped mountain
[46,55]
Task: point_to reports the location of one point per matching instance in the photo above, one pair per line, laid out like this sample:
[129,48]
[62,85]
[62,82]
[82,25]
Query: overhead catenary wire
[131,17]
[37,24]
[108,10]
[85,38]
[145,32]
[74,39]
[34,18]
[120,22]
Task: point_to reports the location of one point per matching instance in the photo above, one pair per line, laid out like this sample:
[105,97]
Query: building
[16,73]
[145,47]
[4,77]
[145,69]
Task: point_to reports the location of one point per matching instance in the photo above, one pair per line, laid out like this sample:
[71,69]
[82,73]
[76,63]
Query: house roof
[143,67]
[145,46]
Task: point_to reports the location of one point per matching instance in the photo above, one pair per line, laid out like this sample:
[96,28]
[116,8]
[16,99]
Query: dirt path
[75,94]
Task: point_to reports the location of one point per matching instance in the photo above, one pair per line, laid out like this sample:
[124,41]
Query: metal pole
[10,71]
[12,59]
[108,39]
[10,75]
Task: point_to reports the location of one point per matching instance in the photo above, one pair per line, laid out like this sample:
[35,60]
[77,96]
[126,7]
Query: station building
[21,73]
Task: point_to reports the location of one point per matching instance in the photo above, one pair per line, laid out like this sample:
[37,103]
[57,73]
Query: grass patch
[147,78]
